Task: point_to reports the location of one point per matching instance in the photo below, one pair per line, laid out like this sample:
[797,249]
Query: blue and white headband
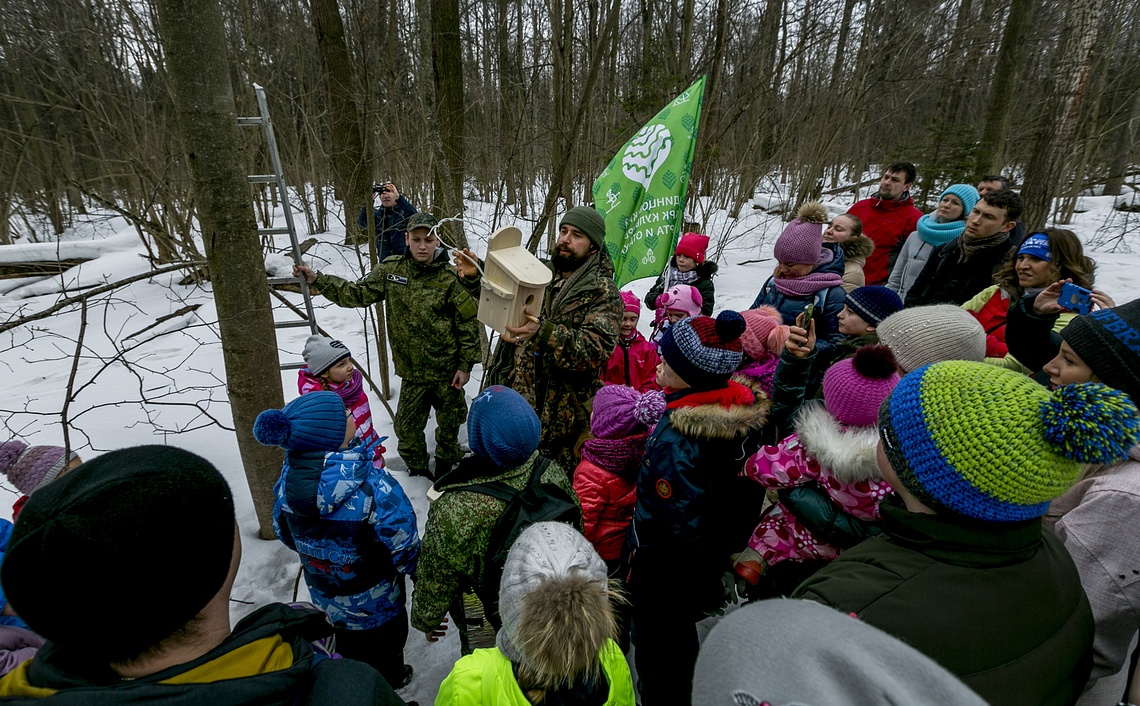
[1037,245]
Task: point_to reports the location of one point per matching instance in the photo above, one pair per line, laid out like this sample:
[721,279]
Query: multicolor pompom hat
[991,444]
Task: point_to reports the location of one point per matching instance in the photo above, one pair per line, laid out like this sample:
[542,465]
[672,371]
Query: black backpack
[536,502]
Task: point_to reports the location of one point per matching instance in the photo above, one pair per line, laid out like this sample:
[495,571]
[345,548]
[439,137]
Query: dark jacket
[945,279]
[682,523]
[704,284]
[267,659]
[390,224]
[998,604]
[1031,338]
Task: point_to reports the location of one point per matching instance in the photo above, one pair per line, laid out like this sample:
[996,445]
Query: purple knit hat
[619,411]
[802,240]
[31,467]
[855,387]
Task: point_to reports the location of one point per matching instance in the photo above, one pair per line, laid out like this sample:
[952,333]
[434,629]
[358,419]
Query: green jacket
[486,678]
[998,604]
[431,316]
[559,369]
[458,531]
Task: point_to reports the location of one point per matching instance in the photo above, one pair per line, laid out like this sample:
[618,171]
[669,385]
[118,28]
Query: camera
[380,189]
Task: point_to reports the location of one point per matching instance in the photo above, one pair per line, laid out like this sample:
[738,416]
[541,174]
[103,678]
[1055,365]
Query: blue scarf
[935,233]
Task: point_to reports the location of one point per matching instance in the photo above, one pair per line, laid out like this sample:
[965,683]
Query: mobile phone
[1076,299]
[809,310]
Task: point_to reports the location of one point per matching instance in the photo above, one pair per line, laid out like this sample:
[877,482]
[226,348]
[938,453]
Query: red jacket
[633,363]
[608,498]
[887,223]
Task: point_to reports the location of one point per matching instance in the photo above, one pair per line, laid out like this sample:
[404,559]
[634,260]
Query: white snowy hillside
[143,364]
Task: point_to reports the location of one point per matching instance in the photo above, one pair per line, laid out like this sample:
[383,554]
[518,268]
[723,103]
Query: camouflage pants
[416,400]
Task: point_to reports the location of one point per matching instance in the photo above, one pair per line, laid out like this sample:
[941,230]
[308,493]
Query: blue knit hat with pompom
[704,351]
[312,422]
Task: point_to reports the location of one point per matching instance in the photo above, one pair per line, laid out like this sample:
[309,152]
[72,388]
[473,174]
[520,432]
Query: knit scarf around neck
[677,277]
[622,457]
[349,390]
[968,247]
[933,232]
[808,284]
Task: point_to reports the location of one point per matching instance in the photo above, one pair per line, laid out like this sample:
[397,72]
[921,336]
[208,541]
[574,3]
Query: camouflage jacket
[559,369]
[432,327]
[458,532]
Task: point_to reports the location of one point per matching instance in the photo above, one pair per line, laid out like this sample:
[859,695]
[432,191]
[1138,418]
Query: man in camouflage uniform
[555,360]
[434,335]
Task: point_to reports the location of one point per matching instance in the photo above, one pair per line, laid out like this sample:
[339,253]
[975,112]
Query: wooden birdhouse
[513,280]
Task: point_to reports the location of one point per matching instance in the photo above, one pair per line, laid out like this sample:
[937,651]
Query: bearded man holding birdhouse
[554,360]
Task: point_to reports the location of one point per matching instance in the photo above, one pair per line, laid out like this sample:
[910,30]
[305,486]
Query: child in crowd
[687,266]
[32,467]
[676,303]
[963,571]
[556,645]
[328,366]
[634,361]
[351,524]
[681,536]
[934,229]
[834,446]
[763,338]
[809,273]
[846,231]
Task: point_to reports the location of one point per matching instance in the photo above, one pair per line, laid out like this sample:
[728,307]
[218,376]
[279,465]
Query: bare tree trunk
[1049,163]
[991,148]
[1121,153]
[448,73]
[193,38]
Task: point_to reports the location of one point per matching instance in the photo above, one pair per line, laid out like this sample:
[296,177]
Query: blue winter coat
[354,529]
[390,224]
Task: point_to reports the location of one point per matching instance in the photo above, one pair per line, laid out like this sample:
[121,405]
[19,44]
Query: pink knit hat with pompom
[631,302]
[764,332]
[31,467]
[620,411]
[855,387]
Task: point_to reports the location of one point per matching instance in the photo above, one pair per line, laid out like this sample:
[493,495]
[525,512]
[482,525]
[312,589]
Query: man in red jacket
[888,218]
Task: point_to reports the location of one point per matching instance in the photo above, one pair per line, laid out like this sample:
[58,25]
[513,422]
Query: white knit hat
[931,334]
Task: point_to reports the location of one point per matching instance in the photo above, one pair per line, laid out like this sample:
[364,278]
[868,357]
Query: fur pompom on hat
[630,301]
[619,411]
[693,245]
[930,334]
[32,467]
[704,351]
[988,443]
[681,297]
[555,604]
[321,353]
[855,387]
[764,332]
[802,240]
[312,422]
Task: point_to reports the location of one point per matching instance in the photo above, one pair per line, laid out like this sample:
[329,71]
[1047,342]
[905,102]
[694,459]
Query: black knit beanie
[120,553]
[1108,341]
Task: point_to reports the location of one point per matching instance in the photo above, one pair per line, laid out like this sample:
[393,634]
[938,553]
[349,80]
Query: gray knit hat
[589,221]
[322,353]
[824,657]
[931,334]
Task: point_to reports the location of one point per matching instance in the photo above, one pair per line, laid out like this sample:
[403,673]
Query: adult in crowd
[555,359]
[934,229]
[389,219]
[847,231]
[1045,257]
[966,265]
[963,571]
[1099,518]
[171,515]
[888,218]
[997,182]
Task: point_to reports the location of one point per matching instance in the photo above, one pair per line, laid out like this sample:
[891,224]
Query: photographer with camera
[390,219]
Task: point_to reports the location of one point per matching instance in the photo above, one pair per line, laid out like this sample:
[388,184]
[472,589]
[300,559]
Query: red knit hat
[693,245]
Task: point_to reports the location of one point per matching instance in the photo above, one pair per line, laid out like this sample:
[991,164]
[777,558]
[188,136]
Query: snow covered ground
[165,384]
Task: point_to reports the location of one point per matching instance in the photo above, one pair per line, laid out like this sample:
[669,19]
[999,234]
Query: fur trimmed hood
[859,247]
[848,452]
[714,421]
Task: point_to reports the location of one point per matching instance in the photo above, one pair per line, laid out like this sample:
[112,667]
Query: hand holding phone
[1076,299]
[809,310]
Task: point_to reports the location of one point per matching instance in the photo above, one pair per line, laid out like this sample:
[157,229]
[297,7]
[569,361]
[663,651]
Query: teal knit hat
[988,443]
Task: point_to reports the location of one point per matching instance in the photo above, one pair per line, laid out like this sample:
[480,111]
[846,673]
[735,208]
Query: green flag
[642,191]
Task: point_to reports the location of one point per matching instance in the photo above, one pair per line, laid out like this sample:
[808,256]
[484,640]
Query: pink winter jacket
[633,363]
[841,459]
[361,412]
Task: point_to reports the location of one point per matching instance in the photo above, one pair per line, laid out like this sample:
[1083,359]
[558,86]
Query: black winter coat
[1031,338]
[704,284]
[945,280]
[998,604]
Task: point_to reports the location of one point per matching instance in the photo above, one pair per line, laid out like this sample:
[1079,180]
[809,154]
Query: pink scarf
[808,284]
[622,457]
